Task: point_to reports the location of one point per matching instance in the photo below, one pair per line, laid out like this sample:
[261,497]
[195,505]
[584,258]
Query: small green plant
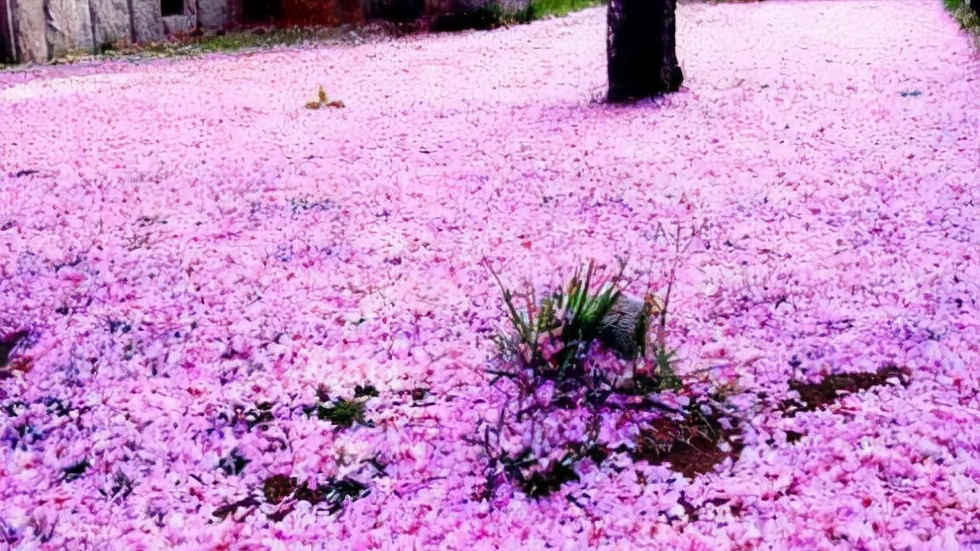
[551,337]
[342,412]
[322,100]
[555,353]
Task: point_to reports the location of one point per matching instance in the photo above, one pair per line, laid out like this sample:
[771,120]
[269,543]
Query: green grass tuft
[544,8]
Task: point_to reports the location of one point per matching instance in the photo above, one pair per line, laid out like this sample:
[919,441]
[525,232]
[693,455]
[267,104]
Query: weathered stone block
[69,26]
[110,20]
[212,14]
[178,24]
[29,29]
[147,21]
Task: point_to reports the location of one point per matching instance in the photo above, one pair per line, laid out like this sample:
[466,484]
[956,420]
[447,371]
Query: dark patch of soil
[691,447]
[819,394]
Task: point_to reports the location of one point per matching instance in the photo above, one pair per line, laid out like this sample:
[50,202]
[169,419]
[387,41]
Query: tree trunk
[975,6]
[641,49]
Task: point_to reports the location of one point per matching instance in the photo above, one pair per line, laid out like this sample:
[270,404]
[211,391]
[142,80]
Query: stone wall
[110,22]
[29,25]
[43,29]
[39,30]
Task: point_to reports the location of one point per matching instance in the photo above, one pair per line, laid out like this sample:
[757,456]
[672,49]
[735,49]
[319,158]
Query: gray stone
[69,27]
[178,24]
[29,28]
[111,23]
[212,14]
[625,328]
[147,21]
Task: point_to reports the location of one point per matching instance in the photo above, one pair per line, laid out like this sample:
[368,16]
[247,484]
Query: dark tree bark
[975,6]
[641,49]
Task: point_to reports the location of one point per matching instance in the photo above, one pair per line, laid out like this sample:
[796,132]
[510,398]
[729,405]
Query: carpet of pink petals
[181,238]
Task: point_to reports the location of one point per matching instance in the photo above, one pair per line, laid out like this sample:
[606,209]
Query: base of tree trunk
[641,49]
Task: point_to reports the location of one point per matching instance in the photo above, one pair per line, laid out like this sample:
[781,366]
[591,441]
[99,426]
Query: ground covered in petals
[230,321]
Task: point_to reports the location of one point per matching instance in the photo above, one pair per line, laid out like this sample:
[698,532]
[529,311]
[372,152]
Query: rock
[212,14]
[110,20]
[178,24]
[147,21]
[627,324]
[69,27]
[29,30]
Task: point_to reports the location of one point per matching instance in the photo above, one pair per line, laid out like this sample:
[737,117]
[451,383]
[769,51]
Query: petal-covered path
[187,253]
